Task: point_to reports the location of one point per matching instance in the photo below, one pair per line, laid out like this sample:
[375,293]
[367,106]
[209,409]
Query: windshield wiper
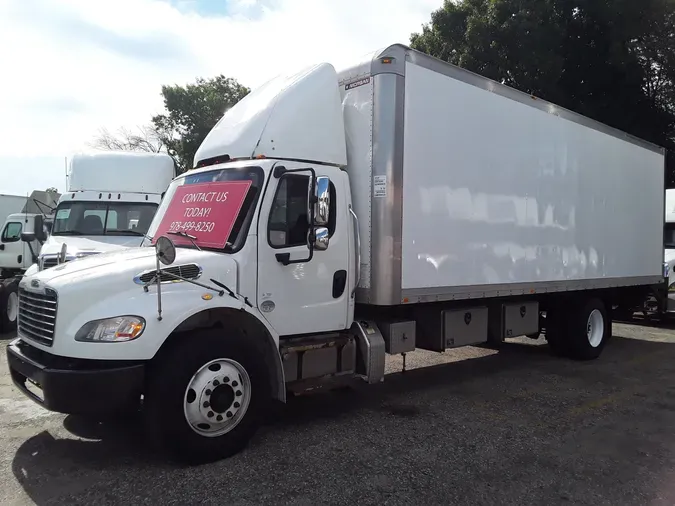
[125,232]
[187,236]
[70,232]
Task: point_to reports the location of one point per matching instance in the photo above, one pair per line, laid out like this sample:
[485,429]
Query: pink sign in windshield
[206,211]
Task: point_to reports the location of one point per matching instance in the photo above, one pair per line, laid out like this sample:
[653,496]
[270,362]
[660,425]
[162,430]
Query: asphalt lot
[473,427]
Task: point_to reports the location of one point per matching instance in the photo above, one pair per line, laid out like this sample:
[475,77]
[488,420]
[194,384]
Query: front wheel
[205,397]
[9,305]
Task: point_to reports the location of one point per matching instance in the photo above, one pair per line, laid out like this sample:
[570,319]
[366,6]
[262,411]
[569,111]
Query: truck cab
[111,200]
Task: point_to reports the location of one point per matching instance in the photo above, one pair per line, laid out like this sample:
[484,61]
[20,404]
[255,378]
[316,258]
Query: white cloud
[73,66]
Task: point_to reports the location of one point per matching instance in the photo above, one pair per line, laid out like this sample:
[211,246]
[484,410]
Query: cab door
[308,295]
[11,247]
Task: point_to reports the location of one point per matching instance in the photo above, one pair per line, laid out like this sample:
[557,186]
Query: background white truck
[10,204]
[111,199]
[334,217]
[20,216]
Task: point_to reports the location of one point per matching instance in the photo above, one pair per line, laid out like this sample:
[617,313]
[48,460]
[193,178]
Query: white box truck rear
[333,218]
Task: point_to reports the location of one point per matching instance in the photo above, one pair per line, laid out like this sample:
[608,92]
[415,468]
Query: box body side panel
[498,193]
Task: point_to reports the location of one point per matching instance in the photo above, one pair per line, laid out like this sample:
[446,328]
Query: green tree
[191,112]
[613,61]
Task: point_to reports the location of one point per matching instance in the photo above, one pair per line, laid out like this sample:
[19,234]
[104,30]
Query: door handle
[2,247]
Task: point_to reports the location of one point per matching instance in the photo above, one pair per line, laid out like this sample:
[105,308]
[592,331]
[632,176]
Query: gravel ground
[471,426]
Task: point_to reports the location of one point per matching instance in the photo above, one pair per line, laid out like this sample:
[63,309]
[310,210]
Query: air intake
[187,271]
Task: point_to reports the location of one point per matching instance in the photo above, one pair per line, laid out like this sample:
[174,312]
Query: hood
[122,266]
[111,284]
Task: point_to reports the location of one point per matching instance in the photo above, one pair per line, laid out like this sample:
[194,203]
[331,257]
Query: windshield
[669,236]
[103,218]
[215,208]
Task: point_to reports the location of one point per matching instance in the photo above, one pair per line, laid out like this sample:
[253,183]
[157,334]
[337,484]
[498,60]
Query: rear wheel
[9,305]
[205,397]
[582,333]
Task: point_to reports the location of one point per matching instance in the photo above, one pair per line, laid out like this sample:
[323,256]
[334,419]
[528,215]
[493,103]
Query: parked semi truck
[334,217]
[109,204]
[20,243]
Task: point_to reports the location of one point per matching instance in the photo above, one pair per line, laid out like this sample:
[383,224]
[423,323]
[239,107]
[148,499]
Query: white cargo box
[466,188]
[121,171]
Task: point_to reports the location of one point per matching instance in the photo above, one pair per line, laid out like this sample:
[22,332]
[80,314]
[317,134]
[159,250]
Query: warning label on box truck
[379,186]
[206,211]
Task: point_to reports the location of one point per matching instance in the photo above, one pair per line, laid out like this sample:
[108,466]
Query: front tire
[205,396]
[9,305]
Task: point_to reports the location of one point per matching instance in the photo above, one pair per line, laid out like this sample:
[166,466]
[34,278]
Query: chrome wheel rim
[595,328]
[217,397]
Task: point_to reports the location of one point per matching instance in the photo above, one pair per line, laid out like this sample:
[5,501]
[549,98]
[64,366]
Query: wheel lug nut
[208,391]
[226,379]
[236,404]
[210,414]
[216,383]
[238,393]
[207,404]
[219,418]
[234,384]
[229,414]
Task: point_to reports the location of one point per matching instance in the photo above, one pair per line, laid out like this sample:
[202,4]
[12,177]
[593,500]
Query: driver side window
[288,225]
[12,232]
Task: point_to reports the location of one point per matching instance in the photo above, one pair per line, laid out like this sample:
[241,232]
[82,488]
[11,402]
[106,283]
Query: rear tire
[9,305]
[590,327]
[205,396]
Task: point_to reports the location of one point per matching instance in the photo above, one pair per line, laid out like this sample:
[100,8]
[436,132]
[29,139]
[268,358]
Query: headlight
[111,330]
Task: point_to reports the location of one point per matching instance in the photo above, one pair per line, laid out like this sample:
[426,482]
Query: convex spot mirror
[165,250]
[321,238]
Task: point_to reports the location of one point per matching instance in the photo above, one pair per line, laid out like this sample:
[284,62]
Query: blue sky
[72,67]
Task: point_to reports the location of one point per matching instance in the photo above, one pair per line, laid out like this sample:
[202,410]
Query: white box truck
[10,204]
[335,217]
[20,243]
[662,307]
[109,204]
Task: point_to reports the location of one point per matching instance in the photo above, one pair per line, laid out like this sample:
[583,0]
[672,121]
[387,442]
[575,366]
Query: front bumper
[74,386]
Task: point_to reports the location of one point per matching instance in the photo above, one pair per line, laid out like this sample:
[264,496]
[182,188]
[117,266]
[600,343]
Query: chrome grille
[188,271]
[37,315]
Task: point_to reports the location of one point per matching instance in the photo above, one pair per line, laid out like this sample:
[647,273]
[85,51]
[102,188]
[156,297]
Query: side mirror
[34,230]
[321,239]
[321,201]
[40,229]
